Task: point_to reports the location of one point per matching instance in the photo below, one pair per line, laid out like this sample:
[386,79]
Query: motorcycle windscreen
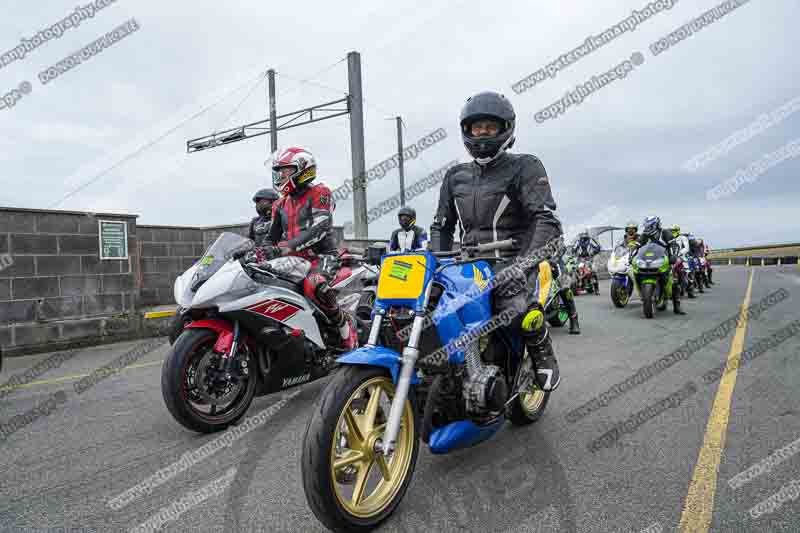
[216,255]
[652,251]
[651,256]
[618,262]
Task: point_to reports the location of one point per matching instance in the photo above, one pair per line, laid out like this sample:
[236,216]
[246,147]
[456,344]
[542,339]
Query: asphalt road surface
[670,472]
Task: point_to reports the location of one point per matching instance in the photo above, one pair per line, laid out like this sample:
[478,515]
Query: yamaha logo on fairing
[294,381]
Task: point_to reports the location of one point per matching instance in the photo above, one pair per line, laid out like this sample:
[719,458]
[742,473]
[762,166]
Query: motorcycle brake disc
[201,377]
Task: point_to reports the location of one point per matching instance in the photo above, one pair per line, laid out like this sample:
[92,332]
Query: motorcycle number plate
[402,277]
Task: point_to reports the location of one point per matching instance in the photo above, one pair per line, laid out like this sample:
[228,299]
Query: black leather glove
[512,282]
[262,254]
[239,254]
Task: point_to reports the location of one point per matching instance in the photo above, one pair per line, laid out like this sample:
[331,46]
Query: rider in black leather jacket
[585,247]
[261,225]
[500,196]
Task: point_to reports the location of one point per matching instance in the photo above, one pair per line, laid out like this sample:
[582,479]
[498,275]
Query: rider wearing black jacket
[500,196]
[586,247]
[261,225]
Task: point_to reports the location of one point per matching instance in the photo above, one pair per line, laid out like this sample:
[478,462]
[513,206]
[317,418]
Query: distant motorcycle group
[660,269]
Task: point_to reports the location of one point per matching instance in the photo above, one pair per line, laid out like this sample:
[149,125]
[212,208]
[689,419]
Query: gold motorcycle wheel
[532,401]
[349,483]
[360,429]
[528,406]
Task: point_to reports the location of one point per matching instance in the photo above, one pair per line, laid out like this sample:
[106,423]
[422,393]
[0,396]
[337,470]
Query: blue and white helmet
[651,226]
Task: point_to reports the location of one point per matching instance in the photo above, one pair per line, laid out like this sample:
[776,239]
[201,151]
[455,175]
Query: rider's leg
[317,288]
[569,302]
[529,306]
[676,301]
[567,298]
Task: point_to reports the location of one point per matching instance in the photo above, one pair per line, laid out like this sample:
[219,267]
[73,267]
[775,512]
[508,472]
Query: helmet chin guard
[505,146]
[302,167]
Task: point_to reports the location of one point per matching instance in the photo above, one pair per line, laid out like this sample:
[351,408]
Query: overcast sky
[624,146]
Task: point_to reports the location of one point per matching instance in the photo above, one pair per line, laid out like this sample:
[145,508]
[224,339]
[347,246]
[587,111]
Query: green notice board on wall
[113,239]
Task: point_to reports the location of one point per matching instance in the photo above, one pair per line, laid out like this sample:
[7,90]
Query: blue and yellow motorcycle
[438,367]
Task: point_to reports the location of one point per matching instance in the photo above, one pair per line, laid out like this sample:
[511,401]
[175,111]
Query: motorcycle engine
[486,391]
[485,388]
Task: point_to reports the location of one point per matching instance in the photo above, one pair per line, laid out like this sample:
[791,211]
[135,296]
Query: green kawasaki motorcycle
[653,276]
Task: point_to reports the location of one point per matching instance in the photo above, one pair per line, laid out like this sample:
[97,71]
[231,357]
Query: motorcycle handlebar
[492,246]
[355,251]
[507,244]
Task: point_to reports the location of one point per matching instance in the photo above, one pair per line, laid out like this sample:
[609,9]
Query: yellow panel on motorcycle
[402,277]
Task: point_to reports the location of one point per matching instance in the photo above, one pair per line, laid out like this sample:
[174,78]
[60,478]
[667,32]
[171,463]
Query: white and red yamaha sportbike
[247,330]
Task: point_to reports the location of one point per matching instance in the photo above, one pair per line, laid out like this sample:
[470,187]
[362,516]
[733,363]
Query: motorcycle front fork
[225,362]
[408,361]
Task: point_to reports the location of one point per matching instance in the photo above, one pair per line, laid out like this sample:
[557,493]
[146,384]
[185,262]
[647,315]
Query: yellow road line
[699,504]
[159,314]
[69,378]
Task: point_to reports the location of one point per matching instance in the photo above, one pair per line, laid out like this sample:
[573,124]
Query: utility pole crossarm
[256,129]
[353,101]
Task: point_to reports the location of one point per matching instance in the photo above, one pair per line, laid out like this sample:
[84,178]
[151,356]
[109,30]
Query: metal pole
[400,162]
[273,121]
[357,145]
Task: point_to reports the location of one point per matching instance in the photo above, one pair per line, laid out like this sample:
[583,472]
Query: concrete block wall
[166,252]
[55,291]
[55,287]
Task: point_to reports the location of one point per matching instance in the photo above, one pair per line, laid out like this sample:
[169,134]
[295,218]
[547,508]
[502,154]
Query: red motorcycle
[585,278]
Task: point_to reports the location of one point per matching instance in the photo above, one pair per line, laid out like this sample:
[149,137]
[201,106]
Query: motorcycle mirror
[374,253]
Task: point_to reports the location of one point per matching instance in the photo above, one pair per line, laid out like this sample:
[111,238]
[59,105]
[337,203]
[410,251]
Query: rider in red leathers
[302,224]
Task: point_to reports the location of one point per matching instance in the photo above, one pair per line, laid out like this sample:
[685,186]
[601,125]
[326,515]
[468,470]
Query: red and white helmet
[292,169]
